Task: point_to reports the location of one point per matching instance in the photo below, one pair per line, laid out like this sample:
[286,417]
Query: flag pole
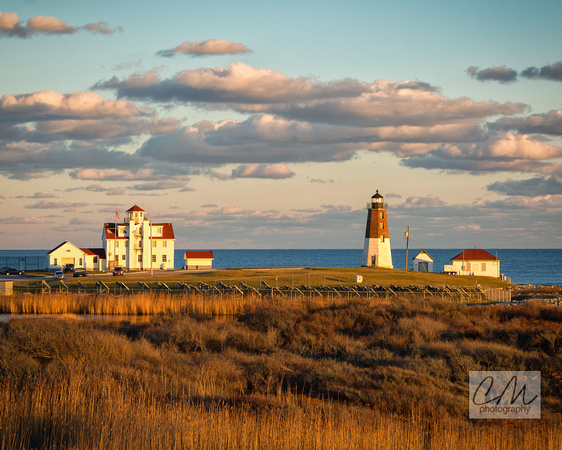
[115,240]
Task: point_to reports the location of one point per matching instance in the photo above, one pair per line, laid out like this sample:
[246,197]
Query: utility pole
[150,241]
[407,243]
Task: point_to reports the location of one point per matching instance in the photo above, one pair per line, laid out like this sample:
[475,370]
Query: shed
[423,262]
[65,253]
[198,259]
[474,261]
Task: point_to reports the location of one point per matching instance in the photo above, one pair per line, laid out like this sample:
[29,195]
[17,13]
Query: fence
[220,288]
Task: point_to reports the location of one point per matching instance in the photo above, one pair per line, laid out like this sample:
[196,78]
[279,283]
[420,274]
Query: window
[153,258]
[159,230]
[165,244]
[154,244]
[80,262]
[95,259]
[55,261]
[381,215]
[164,258]
[123,257]
[139,258]
[117,244]
[382,226]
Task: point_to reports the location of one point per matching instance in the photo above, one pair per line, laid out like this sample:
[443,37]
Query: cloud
[210,47]
[28,161]
[534,187]
[423,202]
[38,195]
[552,72]
[272,171]
[10,26]
[502,74]
[237,82]
[17,220]
[549,123]
[49,104]
[159,185]
[55,205]
[502,152]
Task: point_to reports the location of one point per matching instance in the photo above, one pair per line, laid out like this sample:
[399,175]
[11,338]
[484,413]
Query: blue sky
[270,125]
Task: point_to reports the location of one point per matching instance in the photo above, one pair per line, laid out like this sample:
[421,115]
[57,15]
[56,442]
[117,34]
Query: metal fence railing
[220,288]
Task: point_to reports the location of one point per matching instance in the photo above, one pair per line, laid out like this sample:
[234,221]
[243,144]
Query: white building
[376,251]
[423,262]
[198,259]
[137,243]
[474,262]
[68,253]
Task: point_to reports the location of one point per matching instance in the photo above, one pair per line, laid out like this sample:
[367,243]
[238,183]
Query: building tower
[377,240]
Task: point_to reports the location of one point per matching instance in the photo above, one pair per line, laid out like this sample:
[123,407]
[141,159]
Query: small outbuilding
[474,261]
[198,259]
[423,262]
[68,253]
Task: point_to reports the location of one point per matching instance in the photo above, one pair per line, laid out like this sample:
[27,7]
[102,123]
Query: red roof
[167,231]
[99,252]
[198,254]
[475,254]
[135,208]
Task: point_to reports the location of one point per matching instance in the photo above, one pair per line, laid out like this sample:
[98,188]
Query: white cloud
[273,171]
[214,46]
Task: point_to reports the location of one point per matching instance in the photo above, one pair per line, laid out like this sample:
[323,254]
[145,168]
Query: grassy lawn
[314,276]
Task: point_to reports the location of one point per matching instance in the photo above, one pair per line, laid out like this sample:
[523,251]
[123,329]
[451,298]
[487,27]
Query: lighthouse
[377,240]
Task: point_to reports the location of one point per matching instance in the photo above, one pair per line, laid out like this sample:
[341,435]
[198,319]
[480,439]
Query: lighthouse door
[374,260]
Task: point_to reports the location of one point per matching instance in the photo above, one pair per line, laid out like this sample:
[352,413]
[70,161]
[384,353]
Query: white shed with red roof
[198,259]
[474,261]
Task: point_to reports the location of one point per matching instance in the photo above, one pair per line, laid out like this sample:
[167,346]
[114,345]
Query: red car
[118,271]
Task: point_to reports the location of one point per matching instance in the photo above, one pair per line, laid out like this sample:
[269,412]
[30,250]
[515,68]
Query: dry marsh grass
[283,374]
[142,304]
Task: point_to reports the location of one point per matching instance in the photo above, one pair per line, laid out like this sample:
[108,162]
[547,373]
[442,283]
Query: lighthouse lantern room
[377,240]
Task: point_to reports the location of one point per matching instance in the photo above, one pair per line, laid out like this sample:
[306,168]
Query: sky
[257,124]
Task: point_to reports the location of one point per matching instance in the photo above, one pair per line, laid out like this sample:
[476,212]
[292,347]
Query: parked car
[59,274]
[68,268]
[10,271]
[118,271]
[80,272]
[14,272]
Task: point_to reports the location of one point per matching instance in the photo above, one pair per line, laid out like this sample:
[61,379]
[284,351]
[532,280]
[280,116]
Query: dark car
[80,272]
[68,268]
[12,272]
[118,271]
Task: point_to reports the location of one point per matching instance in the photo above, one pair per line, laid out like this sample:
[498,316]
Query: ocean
[523,266]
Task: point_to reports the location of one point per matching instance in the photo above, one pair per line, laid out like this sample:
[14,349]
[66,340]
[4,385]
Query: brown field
[308,373]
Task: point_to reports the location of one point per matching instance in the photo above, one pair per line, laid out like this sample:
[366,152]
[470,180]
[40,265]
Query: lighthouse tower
[377,240]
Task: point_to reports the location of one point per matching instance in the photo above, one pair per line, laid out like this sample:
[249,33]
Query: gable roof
[423,252]
[135,208]
[198,254]
[62,244]
[475,254]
